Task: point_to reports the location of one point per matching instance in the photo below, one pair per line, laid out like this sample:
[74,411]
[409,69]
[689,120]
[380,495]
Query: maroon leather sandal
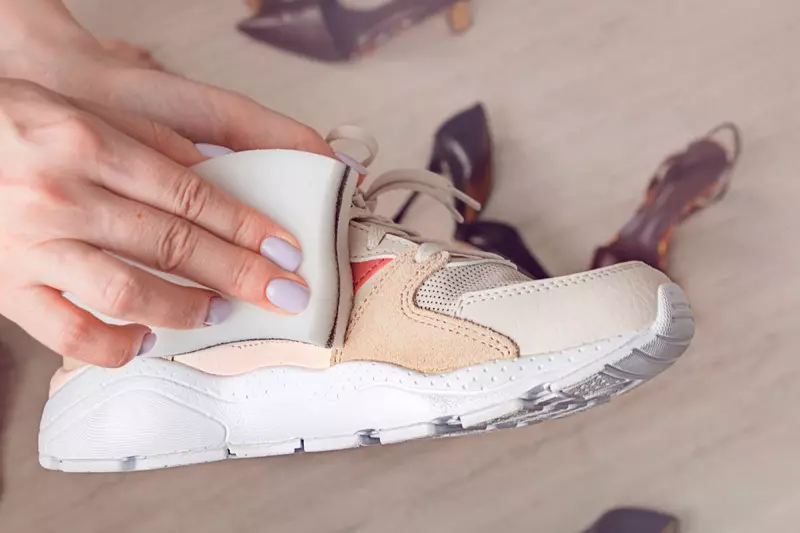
[684,184]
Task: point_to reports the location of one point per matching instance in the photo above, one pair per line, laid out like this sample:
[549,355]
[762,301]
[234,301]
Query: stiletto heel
[459,16]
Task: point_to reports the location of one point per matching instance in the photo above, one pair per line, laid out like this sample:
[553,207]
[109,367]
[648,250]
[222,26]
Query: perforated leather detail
[440,292]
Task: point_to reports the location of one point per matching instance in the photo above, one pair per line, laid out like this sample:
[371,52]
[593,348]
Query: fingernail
[281,253]
[212,150]
[360,169]
[148,342]
[218,310]
[288,295]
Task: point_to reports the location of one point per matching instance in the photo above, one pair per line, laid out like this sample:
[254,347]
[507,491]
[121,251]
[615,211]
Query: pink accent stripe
[364,270]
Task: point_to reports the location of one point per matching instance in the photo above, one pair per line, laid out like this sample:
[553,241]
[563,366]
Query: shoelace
[415,180]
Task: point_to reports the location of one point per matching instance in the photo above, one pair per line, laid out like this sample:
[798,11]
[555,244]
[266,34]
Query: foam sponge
[310,196]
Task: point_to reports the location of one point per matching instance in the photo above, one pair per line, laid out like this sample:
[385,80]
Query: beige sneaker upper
[439,311]
[555,314]
[437,307]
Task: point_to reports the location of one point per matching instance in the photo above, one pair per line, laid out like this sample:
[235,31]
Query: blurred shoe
[684,184]
[338,30]
[634,520]
[502,239]
[411,339]
[462,152]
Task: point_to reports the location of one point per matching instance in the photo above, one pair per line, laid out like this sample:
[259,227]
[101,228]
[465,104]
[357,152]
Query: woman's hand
[41,42]
[77,178]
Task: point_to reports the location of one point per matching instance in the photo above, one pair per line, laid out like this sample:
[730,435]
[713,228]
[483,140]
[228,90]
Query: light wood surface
[585,99]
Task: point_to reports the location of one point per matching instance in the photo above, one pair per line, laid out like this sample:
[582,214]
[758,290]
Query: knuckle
[80,136]
[308,138]
[305,132]
[225,99]
[191,196]
[175,246]
[46,192]
[114,358]
[248,229]
[192,313]
[120,293]
[158,132]
[242,273]
[74,337]
[25,89]
[161,134]
[43,206]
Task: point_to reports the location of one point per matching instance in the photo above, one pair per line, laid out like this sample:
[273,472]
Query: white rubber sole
[155,413]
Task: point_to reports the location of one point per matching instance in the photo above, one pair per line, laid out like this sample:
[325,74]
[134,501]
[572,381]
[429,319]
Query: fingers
[173,245]
[208,114]
[174,189]
[117,289]
[72,332]
[163,181]
[148,132]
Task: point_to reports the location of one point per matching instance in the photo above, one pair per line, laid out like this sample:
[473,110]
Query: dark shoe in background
[504,240]
[463,152]
[684,184]
[632,520]
[329,31]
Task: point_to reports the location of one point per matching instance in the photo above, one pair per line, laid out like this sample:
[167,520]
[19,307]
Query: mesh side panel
[440,292]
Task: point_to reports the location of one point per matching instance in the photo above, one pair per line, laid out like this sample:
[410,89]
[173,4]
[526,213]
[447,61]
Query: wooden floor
[585,99]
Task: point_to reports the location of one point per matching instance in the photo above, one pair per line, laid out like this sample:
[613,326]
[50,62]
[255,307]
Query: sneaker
[402,339]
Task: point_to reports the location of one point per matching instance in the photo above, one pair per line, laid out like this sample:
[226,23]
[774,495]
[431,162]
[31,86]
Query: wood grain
[585,98]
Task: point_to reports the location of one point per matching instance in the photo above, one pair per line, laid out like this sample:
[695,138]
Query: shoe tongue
[311,206]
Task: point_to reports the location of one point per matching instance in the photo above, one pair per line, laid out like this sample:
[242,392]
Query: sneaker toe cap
[544,316]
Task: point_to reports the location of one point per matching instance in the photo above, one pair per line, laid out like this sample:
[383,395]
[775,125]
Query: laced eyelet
[422,181]
[425,251]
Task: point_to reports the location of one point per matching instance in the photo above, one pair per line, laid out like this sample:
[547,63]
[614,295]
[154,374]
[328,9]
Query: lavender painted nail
[212,150]
[219,309]
[288,295]
[352,163]
[148,342]
[281,253]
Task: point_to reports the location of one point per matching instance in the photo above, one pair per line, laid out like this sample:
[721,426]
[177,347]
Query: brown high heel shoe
[684,184]
[339,30]
[463,152]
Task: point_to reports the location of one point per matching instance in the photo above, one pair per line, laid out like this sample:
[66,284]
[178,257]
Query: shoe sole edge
[625,368]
